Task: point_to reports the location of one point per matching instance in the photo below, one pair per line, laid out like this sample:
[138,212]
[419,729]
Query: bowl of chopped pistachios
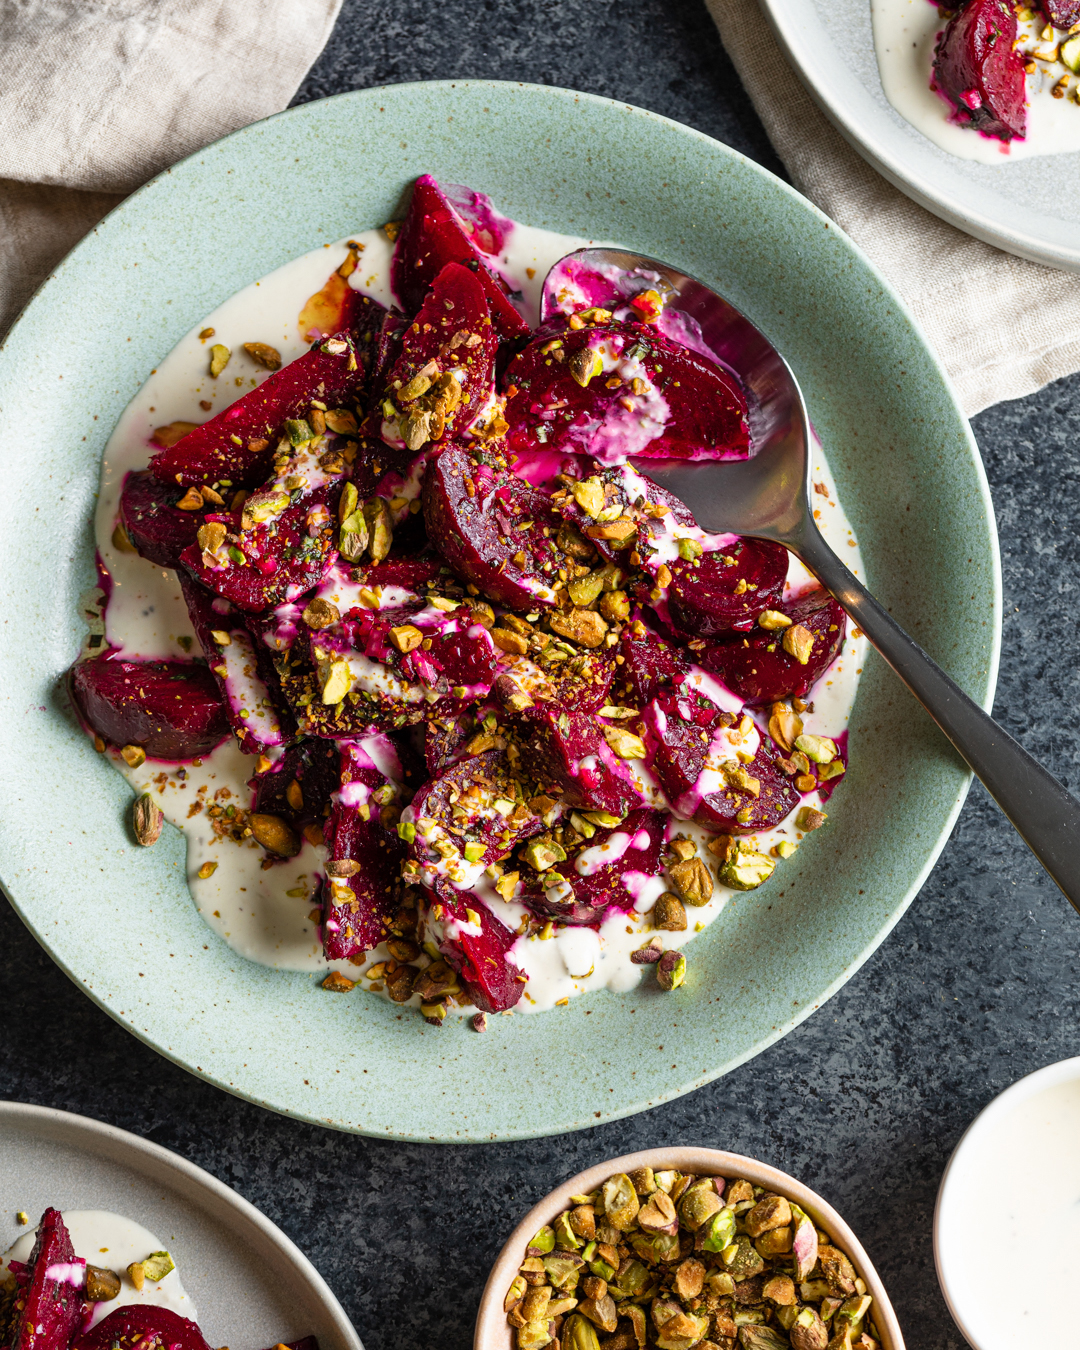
[684,1249]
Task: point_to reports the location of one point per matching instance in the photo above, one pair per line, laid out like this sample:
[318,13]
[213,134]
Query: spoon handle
[1045,814]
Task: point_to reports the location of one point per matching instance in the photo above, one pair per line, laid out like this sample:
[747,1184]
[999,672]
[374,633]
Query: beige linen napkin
[1002,326]
[100,95]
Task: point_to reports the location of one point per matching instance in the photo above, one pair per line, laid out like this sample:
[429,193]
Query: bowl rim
[1050,1075]
[492,1332]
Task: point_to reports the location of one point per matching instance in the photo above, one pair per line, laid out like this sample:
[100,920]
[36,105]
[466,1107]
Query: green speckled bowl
[118,918]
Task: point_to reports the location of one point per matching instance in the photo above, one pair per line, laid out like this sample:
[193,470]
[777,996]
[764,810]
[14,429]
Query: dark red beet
[358,909]
[650,664]
[412,574]
[434,234]
[584,898]
[209,454]
[443,737]
[142,1326]
[283,555]
[567,749]
[173,711]
[480,959]
[757,667]
[250,689]
[1062,13]
[154,524]
[977,71]
[710,596]
[472,784]
[48,1307]
[617,494]
[314,765]
[733,811]
[451,342]
[692,409]
[494,537]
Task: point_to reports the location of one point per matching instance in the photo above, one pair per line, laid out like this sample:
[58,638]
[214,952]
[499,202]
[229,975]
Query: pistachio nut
[671,970]
[776,1242]
[693,881]
[535,1304]
[657,1214]
[760,1338]
[820,749]
[274,834]
[146,820]
[515,1293]
[773,619]
[543,1242]
[771,1211]
[719,1230]
[534,1336]
[780,1289]
[742,1263]
[852,1311]
[585,364]
[600,1311]
[837,1270]
[699,1203]
[809,818]
[746,871]
[799,643]
[720,1284]
[219,359]
[669,914]
[620,1201]
[579,1334]
[380,527]
[563,1269]
[689,1279]
[156,1266]
[808,1331]
[319,614]
[102,1285]
[565,1238]
[655,1247]
[584,590]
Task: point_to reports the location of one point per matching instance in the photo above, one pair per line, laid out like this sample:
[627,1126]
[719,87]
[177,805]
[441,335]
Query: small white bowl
[492,1331]
[1008,1156]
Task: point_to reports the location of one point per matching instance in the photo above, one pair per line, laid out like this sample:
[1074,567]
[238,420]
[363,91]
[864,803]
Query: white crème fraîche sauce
[113,1242]
[264,915]
[1024,1168]
[905,35]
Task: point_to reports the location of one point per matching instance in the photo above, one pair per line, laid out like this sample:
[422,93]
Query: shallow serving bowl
[492,1331]
[119,919]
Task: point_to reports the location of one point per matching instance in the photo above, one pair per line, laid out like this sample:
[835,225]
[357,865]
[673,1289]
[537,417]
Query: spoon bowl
[768,496]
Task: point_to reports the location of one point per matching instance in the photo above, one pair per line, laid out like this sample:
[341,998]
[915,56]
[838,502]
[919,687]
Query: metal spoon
[768,496]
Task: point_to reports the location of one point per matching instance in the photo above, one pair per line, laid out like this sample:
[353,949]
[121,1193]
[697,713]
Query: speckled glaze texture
[119,920]
[493,1332]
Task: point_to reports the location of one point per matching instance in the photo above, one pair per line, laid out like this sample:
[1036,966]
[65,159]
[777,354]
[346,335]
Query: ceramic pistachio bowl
[679,1248]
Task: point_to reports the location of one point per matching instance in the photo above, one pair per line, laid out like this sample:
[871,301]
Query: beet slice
[669,402]
[142,1326]
[238,444]
[603,872]
[568,751]
[650,663]
[481,959]
[443,738]
[359,905]
[713,595]
[434,234]
[48,1306]
[278,544]
[979,73]
[1062,13]
[472,815]
[299,785]
[757,667]
[623,488]
[174,711]
[443,374]
[250,689]
[159,530]
[493,535]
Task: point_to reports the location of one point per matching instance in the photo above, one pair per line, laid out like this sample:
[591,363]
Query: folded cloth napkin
[1003,327]
[100,95]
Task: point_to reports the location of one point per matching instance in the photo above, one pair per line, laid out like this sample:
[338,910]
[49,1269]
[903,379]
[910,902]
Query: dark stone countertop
[865,1101]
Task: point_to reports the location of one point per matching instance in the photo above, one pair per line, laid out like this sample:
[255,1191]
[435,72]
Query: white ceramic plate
[251,1285]
[1029,207]
[1013,1181]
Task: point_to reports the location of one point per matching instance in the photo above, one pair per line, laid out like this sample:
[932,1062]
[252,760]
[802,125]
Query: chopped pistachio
[773,619]
[219,359]
[584,590]
[693,881]
[380,527]
[820,749]
[585,364]
[157,1265]
[102,1285]
[624,743]
[671,970]
[799,643]
[262,354]
[746,870]
[810,819]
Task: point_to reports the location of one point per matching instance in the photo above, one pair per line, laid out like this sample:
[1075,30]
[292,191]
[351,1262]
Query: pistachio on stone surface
[671,970]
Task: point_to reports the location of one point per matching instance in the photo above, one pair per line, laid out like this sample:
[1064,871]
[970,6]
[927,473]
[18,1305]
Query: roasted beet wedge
[48,1307]
[362,890]
[238,444]
[668,402]
[443,738]
[1062,13]
[727,590]
[472,815]
[280,542]
[298,786]
[444,372]
[650,664]
[726,806]
[173,711]
[490,978]
[490,526]
[757,665]
[434,234]
[156,526]
[608,870]
[644,513]
[250,689]
[142,1326]
[567,750]
[979,73]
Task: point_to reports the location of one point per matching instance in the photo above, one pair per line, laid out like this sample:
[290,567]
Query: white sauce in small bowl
[265,914]
[1010,1202]
[113,1242]
[905,35]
